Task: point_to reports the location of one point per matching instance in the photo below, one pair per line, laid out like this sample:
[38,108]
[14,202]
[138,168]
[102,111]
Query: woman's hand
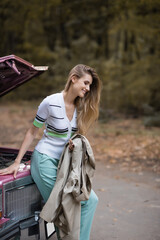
[30,135]
[11,169]
[71,145]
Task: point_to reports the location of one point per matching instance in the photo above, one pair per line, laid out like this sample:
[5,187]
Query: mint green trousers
[44,173]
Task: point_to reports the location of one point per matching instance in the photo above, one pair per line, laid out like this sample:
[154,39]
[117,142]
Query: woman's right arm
[28,139]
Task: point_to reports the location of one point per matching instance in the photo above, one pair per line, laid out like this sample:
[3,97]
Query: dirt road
[129,204]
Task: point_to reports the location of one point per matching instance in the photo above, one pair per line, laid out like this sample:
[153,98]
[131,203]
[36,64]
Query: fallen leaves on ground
[134,147]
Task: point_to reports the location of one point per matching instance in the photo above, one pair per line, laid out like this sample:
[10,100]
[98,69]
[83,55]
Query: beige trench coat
[73,184]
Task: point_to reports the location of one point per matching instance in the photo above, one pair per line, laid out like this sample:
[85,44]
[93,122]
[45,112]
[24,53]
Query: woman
[72,110]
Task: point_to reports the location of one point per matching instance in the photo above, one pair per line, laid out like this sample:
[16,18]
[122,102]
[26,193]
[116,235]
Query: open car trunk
[20,200]
[15,71]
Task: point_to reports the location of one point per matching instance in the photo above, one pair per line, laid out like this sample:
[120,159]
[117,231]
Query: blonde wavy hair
[88,106]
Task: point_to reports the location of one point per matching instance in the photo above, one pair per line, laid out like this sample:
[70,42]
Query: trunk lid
[15,71]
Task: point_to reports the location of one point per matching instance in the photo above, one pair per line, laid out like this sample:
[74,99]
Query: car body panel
[20,199]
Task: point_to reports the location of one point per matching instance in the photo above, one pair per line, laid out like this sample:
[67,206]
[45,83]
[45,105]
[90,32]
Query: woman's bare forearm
[28,139]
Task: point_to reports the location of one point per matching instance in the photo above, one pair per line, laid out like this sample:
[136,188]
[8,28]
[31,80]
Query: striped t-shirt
[58,128]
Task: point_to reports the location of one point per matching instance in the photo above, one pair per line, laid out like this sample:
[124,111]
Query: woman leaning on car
[72,110]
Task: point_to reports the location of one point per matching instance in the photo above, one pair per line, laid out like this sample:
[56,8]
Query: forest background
[119,38]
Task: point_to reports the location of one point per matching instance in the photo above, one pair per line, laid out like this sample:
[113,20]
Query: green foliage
[152,121]
[119,38]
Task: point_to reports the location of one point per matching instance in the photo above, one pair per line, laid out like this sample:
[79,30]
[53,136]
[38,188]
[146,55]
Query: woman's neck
[69,97]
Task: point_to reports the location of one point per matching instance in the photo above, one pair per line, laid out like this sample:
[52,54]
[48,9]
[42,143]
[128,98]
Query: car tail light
[21,199]
[0,203]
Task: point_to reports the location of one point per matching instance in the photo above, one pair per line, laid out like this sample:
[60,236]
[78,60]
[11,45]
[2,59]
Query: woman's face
[82,85]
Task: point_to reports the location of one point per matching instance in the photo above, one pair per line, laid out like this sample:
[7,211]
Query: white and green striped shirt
[58,128]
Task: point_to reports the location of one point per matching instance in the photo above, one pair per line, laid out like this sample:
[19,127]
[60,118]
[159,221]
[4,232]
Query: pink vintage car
[20,200]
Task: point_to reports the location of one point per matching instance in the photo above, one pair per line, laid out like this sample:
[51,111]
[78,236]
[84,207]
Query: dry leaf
[101,190]
[113,161]
[116,177]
